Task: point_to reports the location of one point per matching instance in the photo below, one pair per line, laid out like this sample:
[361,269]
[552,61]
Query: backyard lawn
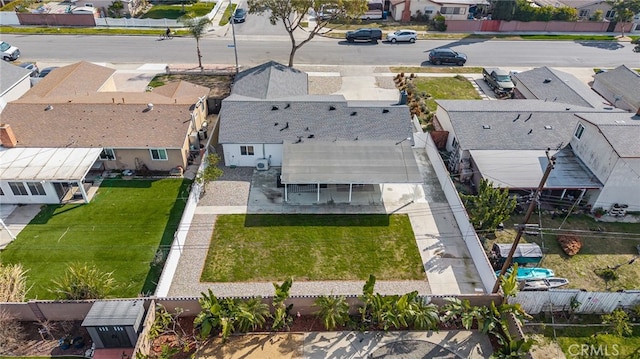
[600,249]
[571,339]
[176,11]
[451,88]
[119,231]
[312,247]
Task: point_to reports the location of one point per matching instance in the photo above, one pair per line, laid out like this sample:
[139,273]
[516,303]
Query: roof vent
[149,107]
[306,129]
[528,118]
[547,80]
[275,124]
[530,131]
[48,108]
[285,127]
[354,113]
[311,136]
[548,127]
[274,108]
[516,119]
[287,106]
[486,127]
[331,108]
[384,110]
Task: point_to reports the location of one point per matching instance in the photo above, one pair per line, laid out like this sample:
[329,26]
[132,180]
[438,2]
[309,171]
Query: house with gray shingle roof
[620,86]
[608,144]
[14,82]
[506,142]
[552,85]
[270,120]
[78,106]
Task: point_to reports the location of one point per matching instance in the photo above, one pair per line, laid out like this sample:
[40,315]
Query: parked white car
[403,35]
[9,53]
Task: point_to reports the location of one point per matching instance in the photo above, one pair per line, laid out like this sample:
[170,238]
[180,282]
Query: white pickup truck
[9,53]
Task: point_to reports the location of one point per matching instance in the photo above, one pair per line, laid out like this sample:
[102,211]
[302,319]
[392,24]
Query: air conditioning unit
[262,164]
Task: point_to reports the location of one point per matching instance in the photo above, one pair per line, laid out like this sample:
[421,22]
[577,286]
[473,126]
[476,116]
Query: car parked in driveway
[403,35]
[365,34]
[46,71]
[240,15]
[447,56]
[31,66]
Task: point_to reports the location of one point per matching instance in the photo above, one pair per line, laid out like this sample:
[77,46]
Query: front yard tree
[196,28]
[490,207]
[624,10]
[291,13]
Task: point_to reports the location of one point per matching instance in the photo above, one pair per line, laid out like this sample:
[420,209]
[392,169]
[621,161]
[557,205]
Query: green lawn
[119,231]
[312,247]
[176,11]
[440,88]
[435,70]
[228,12]
[599,251]
[572,338]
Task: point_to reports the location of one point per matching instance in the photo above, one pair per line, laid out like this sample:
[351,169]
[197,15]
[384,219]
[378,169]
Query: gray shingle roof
[251,121]
[11,74]
[270,80]
[557,86]
[621,130]
[510,127]
[622,81]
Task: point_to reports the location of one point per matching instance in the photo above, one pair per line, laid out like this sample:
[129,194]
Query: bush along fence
[576,301]
[211,316]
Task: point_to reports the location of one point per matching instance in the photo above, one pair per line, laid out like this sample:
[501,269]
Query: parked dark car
[31,66]
[371,35]
[447,56]
[46,71]
[240,15]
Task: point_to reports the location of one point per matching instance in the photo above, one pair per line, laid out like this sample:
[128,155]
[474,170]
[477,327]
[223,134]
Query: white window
[246,150]
[610,14]
[158,154]
[452,10]
[36,189]
[18,189]
[579,131]
[428,10]
[107,154]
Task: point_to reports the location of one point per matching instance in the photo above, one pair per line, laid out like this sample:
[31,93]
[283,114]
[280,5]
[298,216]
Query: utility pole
[233,33]
[551,162]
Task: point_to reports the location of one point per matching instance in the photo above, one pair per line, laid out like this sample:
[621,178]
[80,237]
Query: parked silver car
[403,35]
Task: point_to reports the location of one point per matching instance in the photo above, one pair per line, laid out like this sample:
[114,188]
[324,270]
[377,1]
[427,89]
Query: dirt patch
[220,85]
[263,346]
[47,344]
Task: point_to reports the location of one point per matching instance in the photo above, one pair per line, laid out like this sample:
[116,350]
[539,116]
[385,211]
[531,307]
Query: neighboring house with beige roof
[76,106]
[586,9]
[402,10]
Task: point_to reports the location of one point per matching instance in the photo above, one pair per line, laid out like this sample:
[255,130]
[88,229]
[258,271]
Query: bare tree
[11,333]
[290,13]
[196,28]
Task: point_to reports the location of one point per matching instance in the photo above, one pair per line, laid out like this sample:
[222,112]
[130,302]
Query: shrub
[84,281]
[439,23]
[570,244]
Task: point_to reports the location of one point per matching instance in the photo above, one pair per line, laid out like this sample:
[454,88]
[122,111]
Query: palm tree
[252,314]
[196,28]
[281,318]
[333,311]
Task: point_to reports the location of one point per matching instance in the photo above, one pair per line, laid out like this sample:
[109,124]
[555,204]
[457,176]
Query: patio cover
[47,164]
[343,162]
[525,168]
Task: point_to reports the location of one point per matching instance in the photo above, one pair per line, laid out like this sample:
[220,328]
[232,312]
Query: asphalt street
[254,50]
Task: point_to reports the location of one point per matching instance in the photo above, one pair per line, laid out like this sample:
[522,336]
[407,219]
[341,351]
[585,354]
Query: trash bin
[403,98]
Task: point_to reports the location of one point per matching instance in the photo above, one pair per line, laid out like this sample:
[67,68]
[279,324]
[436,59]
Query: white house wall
[233,156]
[596,153]
[15,92]
[8,197]
[622,186]
[445,122]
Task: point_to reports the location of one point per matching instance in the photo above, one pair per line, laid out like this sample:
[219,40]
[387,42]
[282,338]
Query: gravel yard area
[324,85]
[385,82]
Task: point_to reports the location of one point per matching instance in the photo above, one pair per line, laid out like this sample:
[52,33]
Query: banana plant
[334,311]
[281,318]
[252,314]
